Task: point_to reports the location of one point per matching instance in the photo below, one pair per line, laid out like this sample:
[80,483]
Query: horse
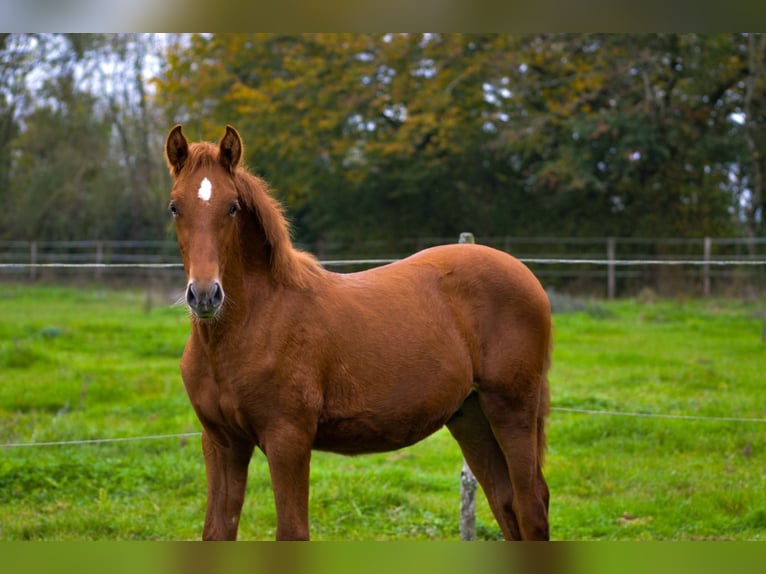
[288,357]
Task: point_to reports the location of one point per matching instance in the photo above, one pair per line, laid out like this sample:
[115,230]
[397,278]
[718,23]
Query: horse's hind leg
[487,461]
[514,413]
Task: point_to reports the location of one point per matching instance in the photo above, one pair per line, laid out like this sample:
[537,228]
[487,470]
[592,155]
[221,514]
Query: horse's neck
[274,264]
[248,281]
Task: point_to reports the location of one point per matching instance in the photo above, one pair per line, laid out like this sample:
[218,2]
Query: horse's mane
[289,266]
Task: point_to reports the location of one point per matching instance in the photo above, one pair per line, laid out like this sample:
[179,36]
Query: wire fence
[97,441]
[94,441]
[597,266]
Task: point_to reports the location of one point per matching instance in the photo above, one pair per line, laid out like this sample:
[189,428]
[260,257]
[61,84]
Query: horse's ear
[231,149]
[176,150]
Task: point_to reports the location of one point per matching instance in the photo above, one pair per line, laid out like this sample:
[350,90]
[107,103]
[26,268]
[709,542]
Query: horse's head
[205,205]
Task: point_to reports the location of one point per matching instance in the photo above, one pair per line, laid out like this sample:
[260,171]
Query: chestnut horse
[289,357]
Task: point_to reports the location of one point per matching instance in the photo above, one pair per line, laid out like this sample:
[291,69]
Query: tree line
[377,136]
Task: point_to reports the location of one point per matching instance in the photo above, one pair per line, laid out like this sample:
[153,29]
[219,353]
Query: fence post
[468,483]
[611,283]
[706,268]
[32,260]
[99,260]
[467,503]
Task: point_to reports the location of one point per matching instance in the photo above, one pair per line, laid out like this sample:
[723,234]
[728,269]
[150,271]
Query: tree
[629,135]
[119,67]
[754,117]
[388,135]
[77,140]
[361,134]
[59,188]
[14,65]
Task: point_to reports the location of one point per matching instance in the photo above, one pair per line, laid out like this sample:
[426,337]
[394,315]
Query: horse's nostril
[191,296]
[217,297]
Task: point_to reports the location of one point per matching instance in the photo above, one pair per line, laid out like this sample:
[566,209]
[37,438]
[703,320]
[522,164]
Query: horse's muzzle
[204,300]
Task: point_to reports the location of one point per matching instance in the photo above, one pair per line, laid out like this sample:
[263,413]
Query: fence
[599,266]
[34,258]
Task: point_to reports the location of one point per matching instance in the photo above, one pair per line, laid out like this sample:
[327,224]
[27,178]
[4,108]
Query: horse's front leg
[288,451]
[226,469]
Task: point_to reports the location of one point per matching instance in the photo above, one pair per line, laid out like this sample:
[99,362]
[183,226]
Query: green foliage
[379,136]
[96,364]
[418,135]
[78,158]
[58,184]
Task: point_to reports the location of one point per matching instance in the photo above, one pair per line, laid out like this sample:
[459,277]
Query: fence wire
[348,262]
[100,440]
[554,409]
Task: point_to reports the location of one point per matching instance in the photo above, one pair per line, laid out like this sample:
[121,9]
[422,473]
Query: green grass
[88,363]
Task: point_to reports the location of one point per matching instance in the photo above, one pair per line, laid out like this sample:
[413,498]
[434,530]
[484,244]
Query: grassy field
[94,363]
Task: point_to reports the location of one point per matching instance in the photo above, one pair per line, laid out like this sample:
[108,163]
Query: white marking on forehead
[205,190]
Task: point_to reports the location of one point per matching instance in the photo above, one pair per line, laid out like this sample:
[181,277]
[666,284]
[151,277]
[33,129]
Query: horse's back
[486,277]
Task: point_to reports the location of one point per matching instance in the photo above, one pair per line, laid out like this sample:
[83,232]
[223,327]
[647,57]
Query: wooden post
[99,260]
[33,260]
[467,503]
[468,483]
[611,283]
[706,268]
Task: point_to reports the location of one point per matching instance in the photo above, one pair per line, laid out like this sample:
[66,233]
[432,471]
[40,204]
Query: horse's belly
[384,426]
[376,433]
[395,383]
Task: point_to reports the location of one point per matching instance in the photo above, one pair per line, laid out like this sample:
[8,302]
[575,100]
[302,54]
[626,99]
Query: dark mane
[289,266]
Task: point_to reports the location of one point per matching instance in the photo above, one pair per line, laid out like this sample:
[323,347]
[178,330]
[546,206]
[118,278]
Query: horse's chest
[224,404]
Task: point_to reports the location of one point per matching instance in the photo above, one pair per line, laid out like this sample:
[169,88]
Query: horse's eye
[234,208]
[173,208]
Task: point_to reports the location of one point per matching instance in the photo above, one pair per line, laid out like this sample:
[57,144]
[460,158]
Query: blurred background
[616,147]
